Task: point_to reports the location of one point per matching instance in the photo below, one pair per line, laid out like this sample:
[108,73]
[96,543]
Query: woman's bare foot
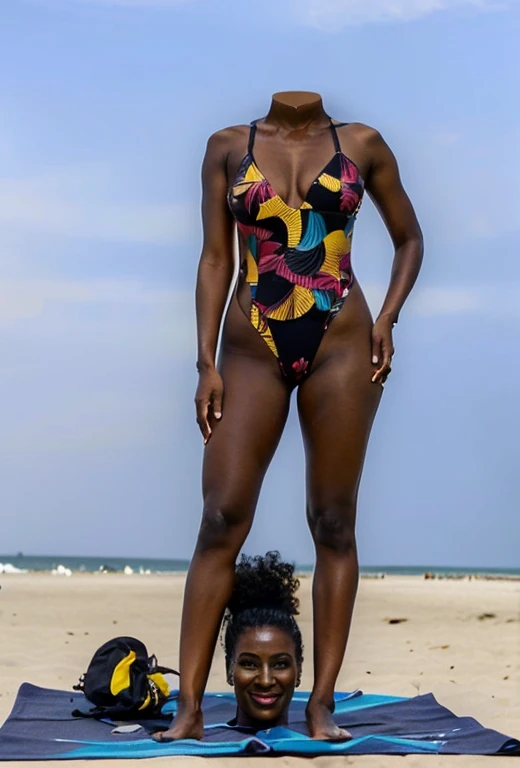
[188,724]
[321,725]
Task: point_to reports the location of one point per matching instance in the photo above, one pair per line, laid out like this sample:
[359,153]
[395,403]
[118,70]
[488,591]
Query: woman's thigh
[255,409]
[337,405]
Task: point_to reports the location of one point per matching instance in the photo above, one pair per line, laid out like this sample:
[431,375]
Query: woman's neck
[242,719]
[296,110]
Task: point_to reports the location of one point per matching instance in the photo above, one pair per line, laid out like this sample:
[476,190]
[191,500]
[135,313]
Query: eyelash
[252,665]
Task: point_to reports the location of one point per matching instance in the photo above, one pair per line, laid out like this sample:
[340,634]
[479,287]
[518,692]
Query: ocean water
[143,565]
[93,564]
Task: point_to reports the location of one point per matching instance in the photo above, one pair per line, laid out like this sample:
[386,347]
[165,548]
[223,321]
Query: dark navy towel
[41,727]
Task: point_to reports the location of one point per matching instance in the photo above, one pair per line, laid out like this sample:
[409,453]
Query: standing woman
[292,184]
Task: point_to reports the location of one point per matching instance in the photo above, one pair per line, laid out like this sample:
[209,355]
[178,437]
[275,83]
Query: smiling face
[265,672]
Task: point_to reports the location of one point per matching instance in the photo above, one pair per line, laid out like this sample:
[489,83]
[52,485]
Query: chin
[263,715]
[266,715]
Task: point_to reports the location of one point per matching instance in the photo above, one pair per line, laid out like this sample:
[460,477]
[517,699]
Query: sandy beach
[459,639]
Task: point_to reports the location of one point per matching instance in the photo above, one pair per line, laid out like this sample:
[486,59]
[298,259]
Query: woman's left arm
[384,186]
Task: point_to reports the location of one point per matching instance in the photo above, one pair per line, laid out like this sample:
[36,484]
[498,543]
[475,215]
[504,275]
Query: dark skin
[242,404]
[265,673]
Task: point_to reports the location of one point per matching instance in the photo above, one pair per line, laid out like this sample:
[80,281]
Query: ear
[299,676]
[230,677]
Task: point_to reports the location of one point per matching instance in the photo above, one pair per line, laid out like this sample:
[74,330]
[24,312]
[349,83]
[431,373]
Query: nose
[266,677]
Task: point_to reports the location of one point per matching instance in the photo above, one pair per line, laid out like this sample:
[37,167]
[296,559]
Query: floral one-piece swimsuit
[296,261]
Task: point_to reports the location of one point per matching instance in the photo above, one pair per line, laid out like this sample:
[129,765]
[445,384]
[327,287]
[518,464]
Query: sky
[105,110]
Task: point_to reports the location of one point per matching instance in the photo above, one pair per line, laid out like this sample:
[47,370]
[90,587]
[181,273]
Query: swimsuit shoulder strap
[252,133]
[335,137]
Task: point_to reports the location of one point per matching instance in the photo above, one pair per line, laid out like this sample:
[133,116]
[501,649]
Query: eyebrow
[250,654]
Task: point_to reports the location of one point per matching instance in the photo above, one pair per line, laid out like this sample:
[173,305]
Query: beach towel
[42,727]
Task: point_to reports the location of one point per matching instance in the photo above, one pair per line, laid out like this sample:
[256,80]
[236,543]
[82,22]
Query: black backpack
[122,680]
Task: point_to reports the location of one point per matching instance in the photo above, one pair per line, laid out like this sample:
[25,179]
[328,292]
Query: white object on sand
[61,570]
[10,568]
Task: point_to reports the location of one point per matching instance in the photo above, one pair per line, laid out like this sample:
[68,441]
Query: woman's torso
[295,213]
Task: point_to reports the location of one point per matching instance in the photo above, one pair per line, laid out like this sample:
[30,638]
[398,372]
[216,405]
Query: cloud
[492,300]
[333,14]
[330,13]
[429,302]
[45,299]
[96,365]
[129,3]
[445,138]
[78,202]
[26,298]
[106,322]
[463,184]
[99,422]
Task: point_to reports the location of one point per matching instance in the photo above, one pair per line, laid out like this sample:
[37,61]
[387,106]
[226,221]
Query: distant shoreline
[15,574]
[60,565]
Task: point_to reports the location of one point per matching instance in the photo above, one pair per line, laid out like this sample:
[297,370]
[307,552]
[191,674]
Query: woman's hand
[382,348]
[209,395]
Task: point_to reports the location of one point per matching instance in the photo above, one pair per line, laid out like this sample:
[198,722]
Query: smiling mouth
[264,699]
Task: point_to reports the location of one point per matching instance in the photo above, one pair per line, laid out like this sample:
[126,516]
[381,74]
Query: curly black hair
[263,595]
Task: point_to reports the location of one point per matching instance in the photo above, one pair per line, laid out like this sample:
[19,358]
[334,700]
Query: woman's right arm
[214,276]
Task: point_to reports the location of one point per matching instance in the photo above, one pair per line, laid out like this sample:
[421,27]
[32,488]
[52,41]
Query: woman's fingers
[384,371]
[382,353]
[216,404]
[202,408]
[376,350]
[377,356]
[208,403]
[381,374]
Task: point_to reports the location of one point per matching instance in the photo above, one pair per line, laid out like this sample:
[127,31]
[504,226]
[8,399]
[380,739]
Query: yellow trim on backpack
[121,674]
[146,702]
[161,683]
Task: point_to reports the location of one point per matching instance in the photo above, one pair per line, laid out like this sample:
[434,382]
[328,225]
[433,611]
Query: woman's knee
[332,525]
[223,526]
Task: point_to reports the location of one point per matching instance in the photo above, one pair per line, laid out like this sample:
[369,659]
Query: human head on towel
[262,640]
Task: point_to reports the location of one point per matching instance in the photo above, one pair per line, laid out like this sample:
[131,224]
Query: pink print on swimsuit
[268,257]
[259,232]
[350,179]
[345,267]
[270,261]
[258,192]
[300,367]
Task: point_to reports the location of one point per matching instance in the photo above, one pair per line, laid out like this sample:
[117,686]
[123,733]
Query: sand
[50,627]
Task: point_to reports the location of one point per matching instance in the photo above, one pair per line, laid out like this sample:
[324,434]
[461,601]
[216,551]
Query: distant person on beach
[262,642]
[297,318]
